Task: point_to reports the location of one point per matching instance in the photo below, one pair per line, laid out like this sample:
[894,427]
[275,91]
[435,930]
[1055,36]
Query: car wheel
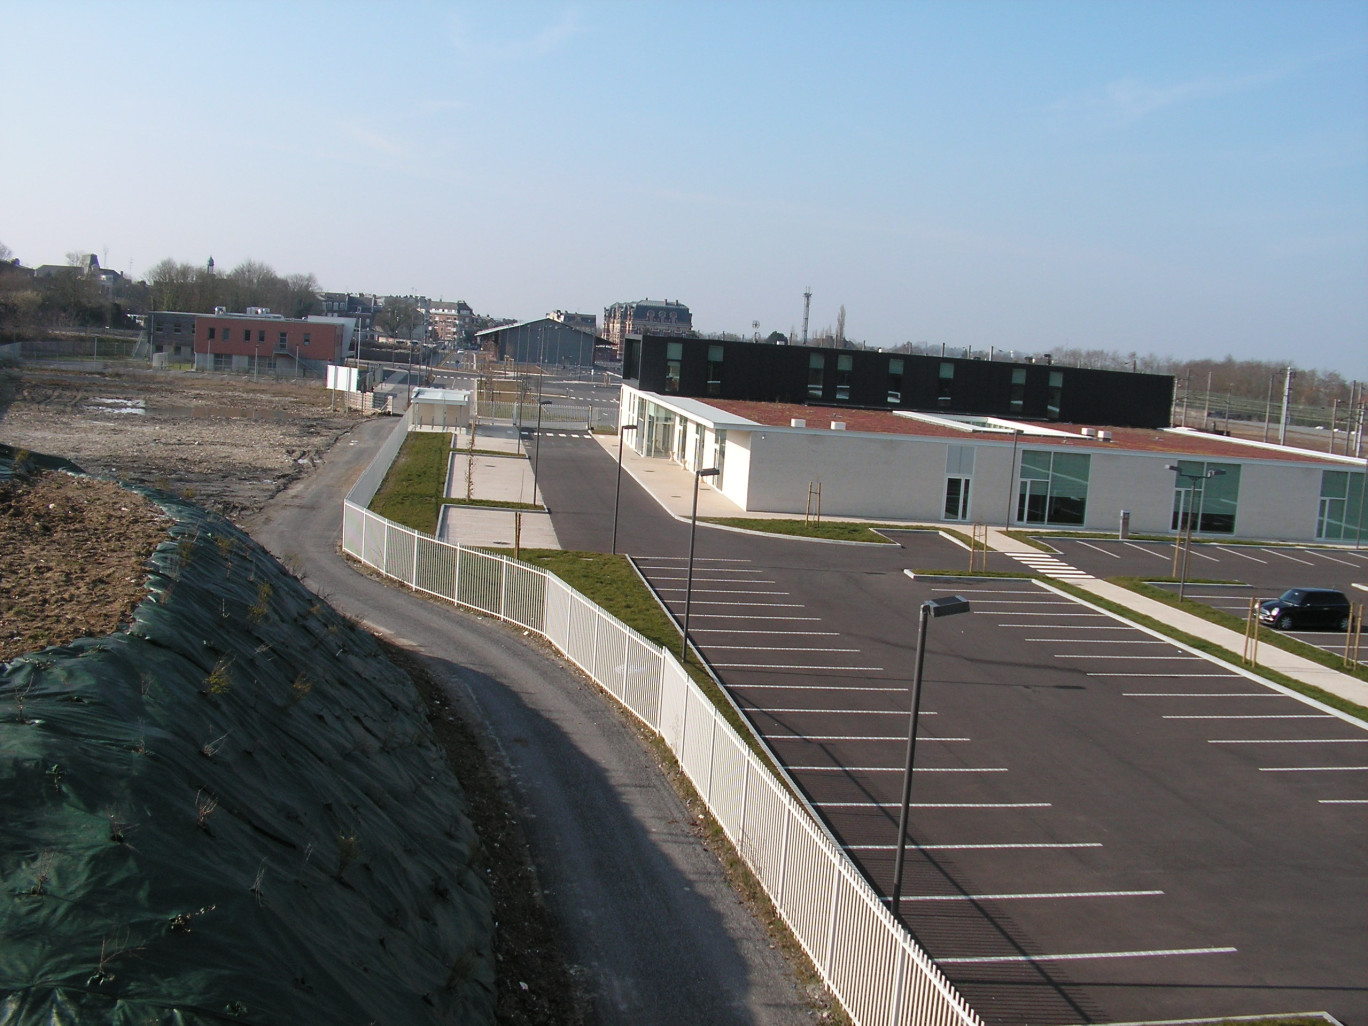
[1283,623]
[1344,623]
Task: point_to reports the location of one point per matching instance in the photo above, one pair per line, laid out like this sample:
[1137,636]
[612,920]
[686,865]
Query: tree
[6,254]
[840,326]
[399,318]
[300,295]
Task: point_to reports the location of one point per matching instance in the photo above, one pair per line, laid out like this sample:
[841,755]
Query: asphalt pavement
[648,921]
[1106,826]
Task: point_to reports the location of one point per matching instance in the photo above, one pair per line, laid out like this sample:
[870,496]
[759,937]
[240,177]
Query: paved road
[647,917]
[1109,828]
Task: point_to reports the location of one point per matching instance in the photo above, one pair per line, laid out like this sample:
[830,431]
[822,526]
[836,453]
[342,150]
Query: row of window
[282,341]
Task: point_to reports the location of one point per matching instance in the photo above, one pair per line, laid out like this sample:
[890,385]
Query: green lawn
[835,530]
[411,493]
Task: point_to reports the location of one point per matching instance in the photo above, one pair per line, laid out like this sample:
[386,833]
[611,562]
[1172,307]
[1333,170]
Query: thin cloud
[540,43]
[1128,100]
[373,141]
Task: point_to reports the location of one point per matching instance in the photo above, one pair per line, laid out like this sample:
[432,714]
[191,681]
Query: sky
[1181,179]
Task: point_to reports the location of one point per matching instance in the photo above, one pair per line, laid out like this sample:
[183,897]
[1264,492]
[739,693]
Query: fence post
[712,755]
[831,917]
[456,577]
[384,550]
[414,585]
[898,979]
[783,856]
[741,834]
[503,587]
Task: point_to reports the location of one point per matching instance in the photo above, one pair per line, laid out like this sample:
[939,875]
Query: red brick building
[263,343]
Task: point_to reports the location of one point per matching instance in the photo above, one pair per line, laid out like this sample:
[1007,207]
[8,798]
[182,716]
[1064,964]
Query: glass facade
[816,370]
[1053,488]
[1340,516]
[1208,502]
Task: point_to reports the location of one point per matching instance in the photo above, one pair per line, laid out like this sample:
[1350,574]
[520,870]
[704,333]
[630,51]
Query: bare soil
[224,441]
[73,559]
[73,555]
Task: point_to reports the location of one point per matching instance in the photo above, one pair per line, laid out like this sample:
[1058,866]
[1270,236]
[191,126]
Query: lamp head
[947,605]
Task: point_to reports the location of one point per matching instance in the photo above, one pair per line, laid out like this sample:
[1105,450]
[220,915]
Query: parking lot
[1247,572]
[1105,826]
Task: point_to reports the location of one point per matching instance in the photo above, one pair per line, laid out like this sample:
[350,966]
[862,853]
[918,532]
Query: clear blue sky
[1177,178]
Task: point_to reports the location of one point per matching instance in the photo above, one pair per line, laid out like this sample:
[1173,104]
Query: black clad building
[870,379]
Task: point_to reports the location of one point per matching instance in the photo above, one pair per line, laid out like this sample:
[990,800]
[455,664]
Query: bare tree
[840,326]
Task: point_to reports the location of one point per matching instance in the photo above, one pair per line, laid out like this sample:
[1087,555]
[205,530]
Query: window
[895,379]
[261,335]
[959,468]
[947,384]
[211,334]
[1056,391]
[956,498]
[816,371]
[1053,488]
[246,334]
[1018,397]
[283,342]
[714,370]
[674,355]
[306,338]
[845,363]
[1340,517]
[1207,502]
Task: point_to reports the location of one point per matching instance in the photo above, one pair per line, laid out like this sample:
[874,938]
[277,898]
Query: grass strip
[831,530]
[1311,653]
[495,503]
[1201,645]
[412,492]
[612,583]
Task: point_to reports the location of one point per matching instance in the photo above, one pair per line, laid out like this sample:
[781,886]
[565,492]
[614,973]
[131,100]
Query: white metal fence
[871,964]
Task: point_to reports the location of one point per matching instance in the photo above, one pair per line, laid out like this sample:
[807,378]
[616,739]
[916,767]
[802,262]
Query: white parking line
[1128,658]
[722,591]
[1089,641]
[853,737]
[1275,552]
[1149,552]
[1344,801]
[1090,616]
[1332,559]
[843,688]
[936,805]
[839,712]
[1255,716]
[1203,555]
[744,616]
[1201,694]
[789,666]
[1033,896]
[1156,953]
[900,769]
[1006,846]
[1167,676]
[727,580]
[805,634]
[1098,548]
[1291,741]
[774,648]
[1312,769]
[1242,555]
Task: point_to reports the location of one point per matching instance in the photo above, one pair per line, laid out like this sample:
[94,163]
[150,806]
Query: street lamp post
[949,605]
[536,451]
[617,494]
[1185,523]
[688,584]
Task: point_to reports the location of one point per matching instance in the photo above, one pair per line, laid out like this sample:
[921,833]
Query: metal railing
[876,970]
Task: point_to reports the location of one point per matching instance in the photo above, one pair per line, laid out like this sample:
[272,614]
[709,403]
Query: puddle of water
[134,406]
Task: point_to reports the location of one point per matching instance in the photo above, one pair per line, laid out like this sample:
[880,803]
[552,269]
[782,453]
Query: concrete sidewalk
[505,477]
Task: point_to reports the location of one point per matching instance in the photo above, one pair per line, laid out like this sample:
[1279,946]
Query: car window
[1292,595]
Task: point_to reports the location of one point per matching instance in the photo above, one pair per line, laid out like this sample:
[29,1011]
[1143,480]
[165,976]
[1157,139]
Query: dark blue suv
[1301,608]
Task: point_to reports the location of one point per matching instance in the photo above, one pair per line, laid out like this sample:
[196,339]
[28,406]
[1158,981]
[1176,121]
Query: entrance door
[957,498]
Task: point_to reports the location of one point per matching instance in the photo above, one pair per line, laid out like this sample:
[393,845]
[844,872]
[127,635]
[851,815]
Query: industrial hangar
[870,434]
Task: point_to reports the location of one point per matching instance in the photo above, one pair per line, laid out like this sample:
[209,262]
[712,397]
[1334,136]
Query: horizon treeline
[197,288]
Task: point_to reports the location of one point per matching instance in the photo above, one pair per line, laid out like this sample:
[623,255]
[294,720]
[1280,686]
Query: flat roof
[1175,441]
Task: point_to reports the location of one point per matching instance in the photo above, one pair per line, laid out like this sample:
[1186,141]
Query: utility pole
[807,302]
[1287,399]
